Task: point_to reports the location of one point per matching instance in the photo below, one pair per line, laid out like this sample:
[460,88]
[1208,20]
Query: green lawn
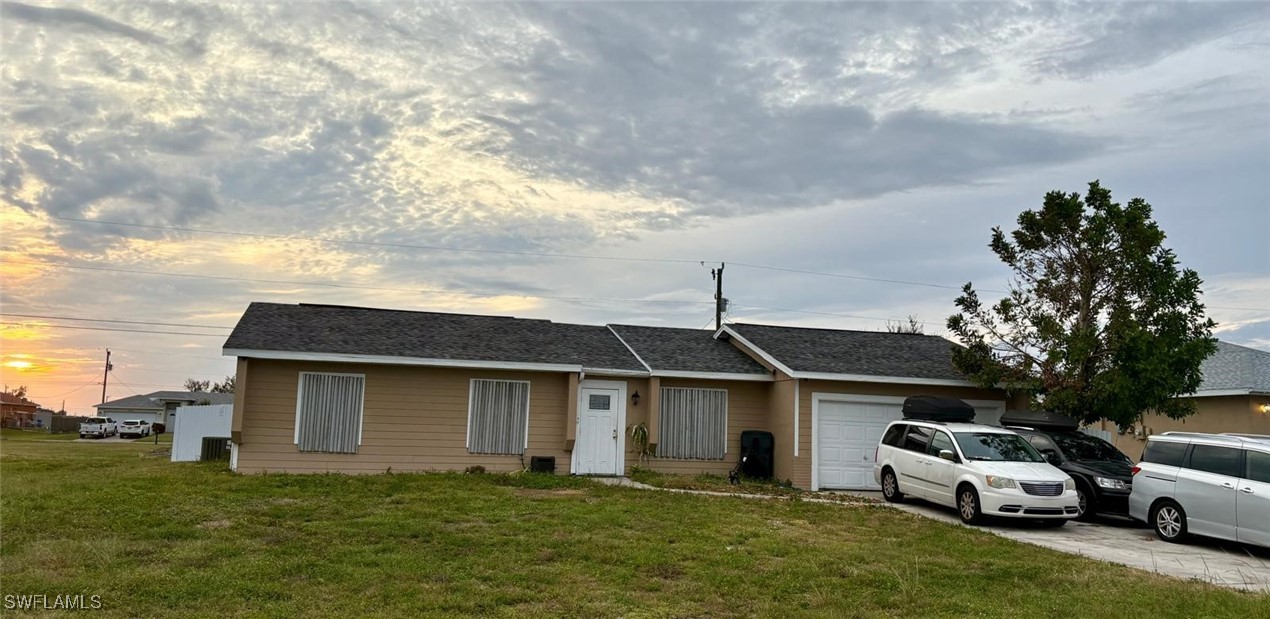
[194,539]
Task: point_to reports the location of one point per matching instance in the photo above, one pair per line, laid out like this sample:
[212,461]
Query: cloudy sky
[347,153]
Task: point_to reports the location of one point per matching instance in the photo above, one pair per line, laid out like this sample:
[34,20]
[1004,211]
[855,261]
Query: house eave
[395,360]
[1217,393]
[763,378]
[869,378]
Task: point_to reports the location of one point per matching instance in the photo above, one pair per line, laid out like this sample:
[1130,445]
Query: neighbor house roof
[667,351]
[376,335]
[1235,370]
[154,401]
[13,400]
[840,355]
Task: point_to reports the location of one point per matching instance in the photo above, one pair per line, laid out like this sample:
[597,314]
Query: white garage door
[847,434]
[848,430]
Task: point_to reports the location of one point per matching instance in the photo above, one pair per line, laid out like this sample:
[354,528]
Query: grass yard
[196,540]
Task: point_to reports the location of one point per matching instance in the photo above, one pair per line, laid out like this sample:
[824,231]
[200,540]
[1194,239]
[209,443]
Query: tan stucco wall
[1220,414]
[748,403]
[415,419]
[800,473]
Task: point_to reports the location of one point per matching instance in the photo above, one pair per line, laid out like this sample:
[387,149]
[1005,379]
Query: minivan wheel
[968,505]
[1169,521]
[891,487]
[1085,506]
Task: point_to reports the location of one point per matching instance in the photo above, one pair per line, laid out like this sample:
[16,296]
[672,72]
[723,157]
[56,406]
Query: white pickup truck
[101,427]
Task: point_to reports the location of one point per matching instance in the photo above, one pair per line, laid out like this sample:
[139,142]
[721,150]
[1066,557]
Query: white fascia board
[615,372]
[394,360]
[762,378]
[758,351]
[868,378]
[628,347]
[1214,393]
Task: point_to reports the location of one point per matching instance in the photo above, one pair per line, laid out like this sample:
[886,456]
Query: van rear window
[1164,452]
[894,435]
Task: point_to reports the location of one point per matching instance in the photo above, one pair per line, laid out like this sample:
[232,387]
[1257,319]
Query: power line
[285,237]
[355,286]
[22,324]
[124,322]
[856,277]
[533,254]
[782,309]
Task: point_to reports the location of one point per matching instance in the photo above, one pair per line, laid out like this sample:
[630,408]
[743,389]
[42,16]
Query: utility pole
[105,377]
[720,303]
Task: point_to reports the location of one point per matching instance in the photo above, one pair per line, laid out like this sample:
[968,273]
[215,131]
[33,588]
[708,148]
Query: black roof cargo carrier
[935,408]
[1039,420]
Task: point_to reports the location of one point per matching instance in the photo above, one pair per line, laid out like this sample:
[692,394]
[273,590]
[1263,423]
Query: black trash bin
[757,447]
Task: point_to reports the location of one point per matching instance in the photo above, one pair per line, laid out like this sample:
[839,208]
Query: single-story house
[16,412]
[358,390]
[158,407]
[1234,396]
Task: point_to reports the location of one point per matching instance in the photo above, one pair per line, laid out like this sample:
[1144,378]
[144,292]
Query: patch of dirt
[214,524]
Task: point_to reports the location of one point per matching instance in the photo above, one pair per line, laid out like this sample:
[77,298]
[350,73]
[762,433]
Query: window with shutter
[498,417]
[328,415]
[694,423]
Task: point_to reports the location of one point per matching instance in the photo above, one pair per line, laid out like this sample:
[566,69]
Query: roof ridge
[753,324]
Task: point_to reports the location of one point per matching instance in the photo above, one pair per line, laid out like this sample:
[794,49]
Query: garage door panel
[847,434]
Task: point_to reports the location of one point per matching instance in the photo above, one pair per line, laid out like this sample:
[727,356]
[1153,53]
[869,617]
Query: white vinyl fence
[1105,435]
[197,423]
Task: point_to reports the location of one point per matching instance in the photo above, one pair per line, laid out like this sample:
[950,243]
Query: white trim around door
[620,426]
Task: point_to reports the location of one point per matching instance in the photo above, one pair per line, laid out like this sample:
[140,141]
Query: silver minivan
[1215,485]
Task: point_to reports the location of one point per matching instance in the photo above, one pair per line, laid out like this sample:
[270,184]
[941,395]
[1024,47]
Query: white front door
[601,413]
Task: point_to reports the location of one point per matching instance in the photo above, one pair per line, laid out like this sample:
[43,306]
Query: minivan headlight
[999,482]
[1070,484]
[1109,483]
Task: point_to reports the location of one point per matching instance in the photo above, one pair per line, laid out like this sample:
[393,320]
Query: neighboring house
[1234,396]
[160,406]
[332,388]
[16,412]
[43,417]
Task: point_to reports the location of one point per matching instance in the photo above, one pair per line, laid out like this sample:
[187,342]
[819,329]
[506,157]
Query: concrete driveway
[1124,541]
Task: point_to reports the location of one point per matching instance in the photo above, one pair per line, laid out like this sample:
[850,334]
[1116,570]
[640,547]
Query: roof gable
[686,350]
[860,353]
[427,335]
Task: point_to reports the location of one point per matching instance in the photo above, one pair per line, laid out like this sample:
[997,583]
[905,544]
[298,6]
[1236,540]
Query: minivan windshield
[1084,447]
[996,447]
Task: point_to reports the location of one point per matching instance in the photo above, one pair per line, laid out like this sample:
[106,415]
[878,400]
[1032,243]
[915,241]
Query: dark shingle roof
[153,400]
[686,350]
[426,335]
[1235,367]
[874,353]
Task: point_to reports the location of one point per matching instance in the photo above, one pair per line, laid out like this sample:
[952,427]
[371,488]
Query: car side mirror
[948,455]
[1051,456]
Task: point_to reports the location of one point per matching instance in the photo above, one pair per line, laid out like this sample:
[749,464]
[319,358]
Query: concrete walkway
[1114,540]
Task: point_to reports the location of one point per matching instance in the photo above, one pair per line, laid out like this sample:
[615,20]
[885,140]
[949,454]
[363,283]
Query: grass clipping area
[154,538]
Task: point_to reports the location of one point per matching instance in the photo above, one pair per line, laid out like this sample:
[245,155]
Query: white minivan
[978,470]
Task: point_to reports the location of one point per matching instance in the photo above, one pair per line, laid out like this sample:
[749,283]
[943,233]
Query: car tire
[1168,520]
[968,507]
[1088,504]
[891,487]
[81,435]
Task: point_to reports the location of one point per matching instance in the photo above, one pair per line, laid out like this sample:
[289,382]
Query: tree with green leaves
[226,386]
[1099,322]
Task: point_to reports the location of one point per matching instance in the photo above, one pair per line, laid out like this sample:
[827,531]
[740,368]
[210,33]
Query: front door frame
[620,386]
